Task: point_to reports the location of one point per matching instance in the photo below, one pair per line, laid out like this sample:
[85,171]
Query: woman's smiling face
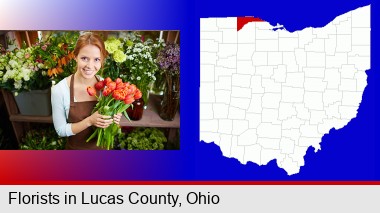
[89,61]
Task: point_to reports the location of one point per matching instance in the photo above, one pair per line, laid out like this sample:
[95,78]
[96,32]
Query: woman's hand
[116,118]
[101,121]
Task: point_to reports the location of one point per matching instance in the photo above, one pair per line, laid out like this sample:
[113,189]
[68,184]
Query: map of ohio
[269,94]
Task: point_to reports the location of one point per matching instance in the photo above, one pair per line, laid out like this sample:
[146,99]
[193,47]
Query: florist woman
[71,105]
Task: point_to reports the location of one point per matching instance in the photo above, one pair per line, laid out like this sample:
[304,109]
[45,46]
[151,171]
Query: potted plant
[168,60]
[43,139]
[143,139]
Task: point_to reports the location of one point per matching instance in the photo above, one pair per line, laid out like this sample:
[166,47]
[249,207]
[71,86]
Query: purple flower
[44,47]
[169,58]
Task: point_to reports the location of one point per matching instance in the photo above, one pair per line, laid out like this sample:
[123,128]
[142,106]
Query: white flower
[13,63]
[18,84]
[138,78]
[19,54]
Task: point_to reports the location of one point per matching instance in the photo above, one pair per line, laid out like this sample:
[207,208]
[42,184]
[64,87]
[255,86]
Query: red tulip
[119,94]
[138,94]
[112,85]
[91,91]
[118,80]
[132,89]
[100,85]
[107,91]
[129,99]
[107,80]
[120,86]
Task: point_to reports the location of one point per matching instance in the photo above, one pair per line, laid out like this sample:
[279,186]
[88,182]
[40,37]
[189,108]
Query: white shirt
[60,103]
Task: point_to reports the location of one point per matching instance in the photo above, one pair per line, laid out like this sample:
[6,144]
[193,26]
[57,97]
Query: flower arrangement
[168,60]
[56,54]
[115,97]
[20,71]
[140,62]
[35,67]
[132,59]
[114,47]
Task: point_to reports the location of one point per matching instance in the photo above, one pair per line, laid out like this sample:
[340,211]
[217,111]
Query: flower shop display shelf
[151,118]
[20,123]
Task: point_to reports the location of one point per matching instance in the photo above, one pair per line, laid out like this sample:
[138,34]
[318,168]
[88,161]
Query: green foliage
[143,139]
[43,139]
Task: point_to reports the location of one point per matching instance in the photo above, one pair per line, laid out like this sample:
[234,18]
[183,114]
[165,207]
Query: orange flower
[119,94]
[138,94]
[91,91]
[129,99]
[71,55]
[52,72]
[59,70]
[107,80]
[120,86]
[111,85]
[107,91]
[132,89]
[63,61]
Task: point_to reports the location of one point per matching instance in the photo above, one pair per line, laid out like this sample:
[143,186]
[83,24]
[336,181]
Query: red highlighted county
[241,21]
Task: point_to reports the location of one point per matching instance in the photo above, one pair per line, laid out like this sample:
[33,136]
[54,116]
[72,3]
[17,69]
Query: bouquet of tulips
[115,97]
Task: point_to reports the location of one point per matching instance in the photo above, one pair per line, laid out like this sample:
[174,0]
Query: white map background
[268,94]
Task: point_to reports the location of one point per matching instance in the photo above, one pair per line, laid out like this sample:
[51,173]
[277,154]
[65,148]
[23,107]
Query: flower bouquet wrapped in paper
[115,97]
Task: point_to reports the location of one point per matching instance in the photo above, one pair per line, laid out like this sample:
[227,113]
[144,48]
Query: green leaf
[93,135]
[126,116]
